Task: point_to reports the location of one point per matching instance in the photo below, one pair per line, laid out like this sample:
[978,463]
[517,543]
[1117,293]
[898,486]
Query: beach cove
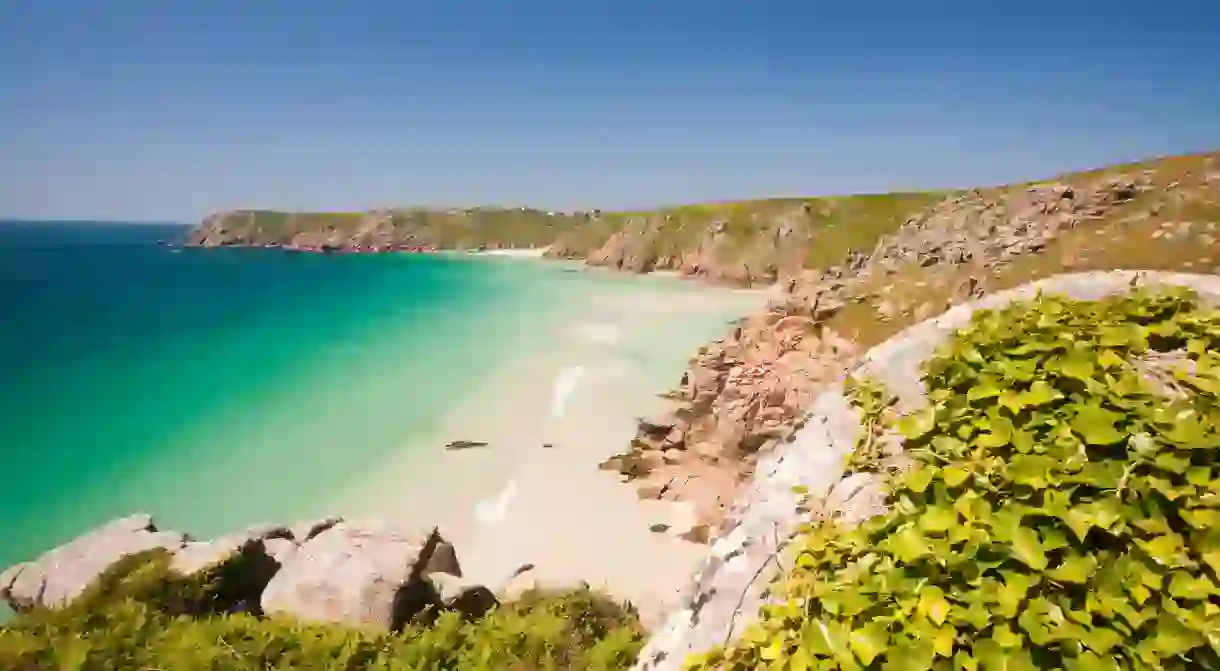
[248,386]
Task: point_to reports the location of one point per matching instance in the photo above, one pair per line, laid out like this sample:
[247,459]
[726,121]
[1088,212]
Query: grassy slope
[828,228]
[1143,234]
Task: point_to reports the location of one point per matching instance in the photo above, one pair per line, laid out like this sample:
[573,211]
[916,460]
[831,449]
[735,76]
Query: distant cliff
[475,228]
[742,243]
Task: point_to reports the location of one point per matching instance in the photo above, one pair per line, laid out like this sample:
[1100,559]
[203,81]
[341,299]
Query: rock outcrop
[761,250]
[366,573]
[980,229]
[631,249]
[740,397]
[60,575]
[361,575]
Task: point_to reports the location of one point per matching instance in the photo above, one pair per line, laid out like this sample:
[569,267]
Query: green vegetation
[140,616]
[826,229]
[855,223]
[874,404]
[1063,511]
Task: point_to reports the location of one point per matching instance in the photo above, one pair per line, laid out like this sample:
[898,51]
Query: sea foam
[492,511]
[565,383]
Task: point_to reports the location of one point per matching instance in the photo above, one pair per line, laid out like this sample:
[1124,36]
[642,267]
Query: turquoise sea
[219,388]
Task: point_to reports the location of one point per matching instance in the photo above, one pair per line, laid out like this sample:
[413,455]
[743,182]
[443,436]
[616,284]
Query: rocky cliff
[748,393]
[383,230]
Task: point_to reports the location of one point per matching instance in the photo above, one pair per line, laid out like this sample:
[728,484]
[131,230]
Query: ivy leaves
[1064,511]
[1096,425]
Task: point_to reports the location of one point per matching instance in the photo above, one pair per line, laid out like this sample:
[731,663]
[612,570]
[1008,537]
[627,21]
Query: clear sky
[169,109]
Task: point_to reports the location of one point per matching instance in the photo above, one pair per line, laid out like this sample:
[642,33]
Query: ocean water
[220,388]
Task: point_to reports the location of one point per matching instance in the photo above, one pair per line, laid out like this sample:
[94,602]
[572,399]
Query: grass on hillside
[1147,233]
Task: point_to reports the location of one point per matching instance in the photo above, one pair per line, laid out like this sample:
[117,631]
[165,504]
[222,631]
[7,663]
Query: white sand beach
[534,494]
[535,253]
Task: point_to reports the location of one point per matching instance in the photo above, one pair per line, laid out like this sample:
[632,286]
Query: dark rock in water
[548,445]
[465,444]
[659,528]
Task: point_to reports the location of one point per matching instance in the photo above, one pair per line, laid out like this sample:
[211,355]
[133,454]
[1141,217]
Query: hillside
[762,241]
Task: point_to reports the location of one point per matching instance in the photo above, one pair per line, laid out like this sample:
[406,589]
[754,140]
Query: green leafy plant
[138,615]
[875,405]
[1064,512]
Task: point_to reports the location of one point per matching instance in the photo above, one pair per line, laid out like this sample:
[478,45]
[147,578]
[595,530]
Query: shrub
[138,615]
[1063,513]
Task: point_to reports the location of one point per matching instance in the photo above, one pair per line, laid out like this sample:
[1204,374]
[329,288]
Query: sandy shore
[534,494]
[536,253]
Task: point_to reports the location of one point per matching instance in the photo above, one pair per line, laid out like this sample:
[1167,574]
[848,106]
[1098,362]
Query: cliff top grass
[1173,225]
[827,228]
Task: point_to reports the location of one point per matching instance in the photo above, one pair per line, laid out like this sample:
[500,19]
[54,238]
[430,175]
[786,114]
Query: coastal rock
[469,599]
[526,579]
[198,556]
[360,574]
[279,549]
[60,575]
[661,423]
[738,396]
[239,566]
[306,530]
[8,577]
[629,249]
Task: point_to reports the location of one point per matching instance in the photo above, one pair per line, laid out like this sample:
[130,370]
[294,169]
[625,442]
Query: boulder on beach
[361,574]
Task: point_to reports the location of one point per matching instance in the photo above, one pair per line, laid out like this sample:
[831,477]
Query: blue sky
[167,110]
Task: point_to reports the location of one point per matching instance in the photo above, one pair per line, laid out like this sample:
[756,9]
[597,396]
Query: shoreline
[537,495]
[514,253]
[534,495]
[521,253]
[551,412]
